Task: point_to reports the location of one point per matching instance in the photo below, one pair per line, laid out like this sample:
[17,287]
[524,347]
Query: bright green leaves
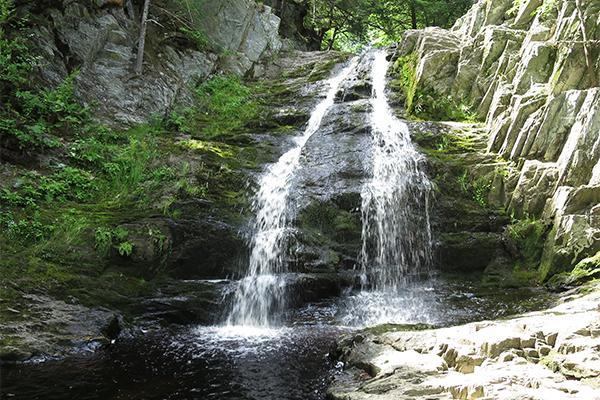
[224,106]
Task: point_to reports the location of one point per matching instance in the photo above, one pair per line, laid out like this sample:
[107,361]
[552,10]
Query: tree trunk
[413,14]
[139,62]
[333,37]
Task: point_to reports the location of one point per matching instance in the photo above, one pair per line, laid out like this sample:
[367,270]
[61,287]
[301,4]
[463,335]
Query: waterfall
[260,296]
[396,235]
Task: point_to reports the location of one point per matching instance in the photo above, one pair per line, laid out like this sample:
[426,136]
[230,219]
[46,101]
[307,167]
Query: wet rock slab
[42,326]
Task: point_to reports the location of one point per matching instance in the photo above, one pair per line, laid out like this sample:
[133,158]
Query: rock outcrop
[292,29]
[531,70]
[182,255]
[100,42]
[550,354]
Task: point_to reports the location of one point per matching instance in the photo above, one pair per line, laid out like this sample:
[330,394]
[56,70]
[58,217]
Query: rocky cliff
[100,41]
[530,70]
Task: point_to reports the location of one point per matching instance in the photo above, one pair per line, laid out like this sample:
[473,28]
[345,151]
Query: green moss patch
[585,271]
[528,237]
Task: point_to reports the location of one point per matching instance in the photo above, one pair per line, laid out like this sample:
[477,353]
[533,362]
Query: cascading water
[396,234]
[260,296]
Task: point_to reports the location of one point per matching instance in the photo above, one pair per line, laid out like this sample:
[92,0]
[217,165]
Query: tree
[361,20]
[139,62]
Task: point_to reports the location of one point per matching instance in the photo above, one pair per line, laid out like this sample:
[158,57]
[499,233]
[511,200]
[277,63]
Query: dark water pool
[198,363]
[288,363]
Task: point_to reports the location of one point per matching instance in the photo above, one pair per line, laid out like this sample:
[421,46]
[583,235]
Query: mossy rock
[468,251]
[387,328]
[586,270]
[332,220]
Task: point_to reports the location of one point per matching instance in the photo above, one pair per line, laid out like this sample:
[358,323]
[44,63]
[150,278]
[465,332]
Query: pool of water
[287,363]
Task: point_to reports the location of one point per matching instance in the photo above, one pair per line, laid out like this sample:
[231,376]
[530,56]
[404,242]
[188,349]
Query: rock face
[531,70]
[292,29]
[335,165]
[101,43]
[541,355]
[244,28]
[468,229]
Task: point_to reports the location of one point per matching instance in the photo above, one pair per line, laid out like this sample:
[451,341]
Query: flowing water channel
[266,350]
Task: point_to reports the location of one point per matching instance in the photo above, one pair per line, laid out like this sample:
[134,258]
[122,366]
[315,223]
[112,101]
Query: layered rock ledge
[551,354]
[529,71]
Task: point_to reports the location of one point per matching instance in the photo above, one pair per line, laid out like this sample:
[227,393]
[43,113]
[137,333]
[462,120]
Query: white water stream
[260,296]
[396,233]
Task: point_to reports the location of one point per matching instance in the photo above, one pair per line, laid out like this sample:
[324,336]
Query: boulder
[545,353]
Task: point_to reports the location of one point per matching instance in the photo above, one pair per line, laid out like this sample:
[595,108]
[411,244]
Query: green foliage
[529,236]
[405,71]
[58,217]
[66,184]
[6,9]
[24,230]
[477,189]
[198,37]
[346,24]
[15,62]
[160,238]
[481,190]
[464,182]
[425,103]
[125,249]
[224,105]
[31,119]
[103,240]
[548,9]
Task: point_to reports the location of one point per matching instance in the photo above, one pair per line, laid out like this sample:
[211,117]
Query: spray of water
[260,296]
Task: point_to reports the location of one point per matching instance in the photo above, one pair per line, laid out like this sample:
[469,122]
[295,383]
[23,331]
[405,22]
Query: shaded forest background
[349,24]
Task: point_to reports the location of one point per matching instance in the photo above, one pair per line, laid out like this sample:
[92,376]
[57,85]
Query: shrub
[477,189]
[31,119]
[125,249]
[224,105]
